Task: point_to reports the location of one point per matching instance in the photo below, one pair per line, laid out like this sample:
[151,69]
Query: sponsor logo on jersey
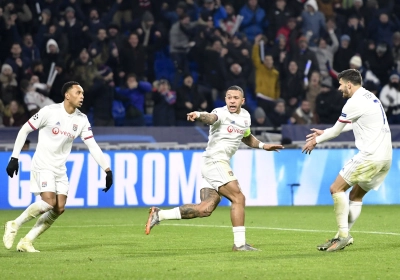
[44,184]
[56,131]
[232,129]
[343,115]
[74,127]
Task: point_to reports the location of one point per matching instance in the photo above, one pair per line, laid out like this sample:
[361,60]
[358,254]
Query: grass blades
[111,244]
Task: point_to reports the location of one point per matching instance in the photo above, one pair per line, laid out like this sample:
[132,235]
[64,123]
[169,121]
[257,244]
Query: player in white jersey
[58,124]
[229,126]
[364,114]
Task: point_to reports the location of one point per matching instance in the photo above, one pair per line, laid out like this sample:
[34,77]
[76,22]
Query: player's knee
[59,210]
[239,198]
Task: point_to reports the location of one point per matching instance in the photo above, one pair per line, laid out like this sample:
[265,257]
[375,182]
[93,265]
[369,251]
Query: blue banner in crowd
[171,178]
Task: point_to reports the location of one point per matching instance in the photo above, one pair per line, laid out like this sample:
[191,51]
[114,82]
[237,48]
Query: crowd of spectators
[150,62]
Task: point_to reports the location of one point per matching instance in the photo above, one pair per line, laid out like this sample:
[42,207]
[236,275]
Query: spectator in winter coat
[390,98]
[164,101]
[254,21]
[313,21]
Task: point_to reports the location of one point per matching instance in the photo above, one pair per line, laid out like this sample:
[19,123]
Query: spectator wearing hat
[390,98]
[7,77]
[164,104]
[260,119]
[133,96]
[51,55]
[115,36]
[254,22]
[328,105]
[303,114]
[343,55]
[14,115]
[188,99]
[313,21]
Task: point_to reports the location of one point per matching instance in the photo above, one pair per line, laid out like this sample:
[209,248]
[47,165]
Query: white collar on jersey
[68,114]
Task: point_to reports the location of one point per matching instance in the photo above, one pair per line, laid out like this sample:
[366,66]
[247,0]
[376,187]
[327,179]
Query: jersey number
[383,111]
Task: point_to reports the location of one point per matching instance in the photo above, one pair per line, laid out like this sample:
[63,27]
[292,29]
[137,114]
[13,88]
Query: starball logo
[56,131]
[231,129]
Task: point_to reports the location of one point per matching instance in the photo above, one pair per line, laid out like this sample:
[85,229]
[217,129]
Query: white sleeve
[330,133]
[221,115]
[39,119]
[21,138]
[351,112]
[348,127]
[97,153]
[86,132]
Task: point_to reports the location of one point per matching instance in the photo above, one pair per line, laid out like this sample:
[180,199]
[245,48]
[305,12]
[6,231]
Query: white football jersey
[226,133]
[57,131]
[370,126]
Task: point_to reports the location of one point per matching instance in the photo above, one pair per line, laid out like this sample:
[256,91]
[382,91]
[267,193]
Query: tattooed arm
[253,142]
[207,118]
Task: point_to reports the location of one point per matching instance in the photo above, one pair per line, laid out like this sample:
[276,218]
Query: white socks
[341,206]
[34,210]
[172,214]
[42,224]
[354,212]
[239,236]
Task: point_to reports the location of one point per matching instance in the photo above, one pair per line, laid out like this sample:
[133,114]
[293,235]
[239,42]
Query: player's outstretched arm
[13,165]
[204,117]
[98,156]
[253,142]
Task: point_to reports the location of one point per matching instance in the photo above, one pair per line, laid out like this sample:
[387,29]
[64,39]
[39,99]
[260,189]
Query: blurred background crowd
[150,62]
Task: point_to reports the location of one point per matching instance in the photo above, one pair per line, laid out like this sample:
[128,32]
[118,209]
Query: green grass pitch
[111,244]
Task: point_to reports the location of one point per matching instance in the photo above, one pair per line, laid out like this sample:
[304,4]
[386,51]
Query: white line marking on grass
[219,226]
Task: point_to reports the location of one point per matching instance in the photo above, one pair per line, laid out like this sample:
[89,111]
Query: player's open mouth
[232,107]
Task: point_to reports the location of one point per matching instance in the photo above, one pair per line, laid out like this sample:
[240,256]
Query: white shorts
[216,173]
[368,174]
[47,181]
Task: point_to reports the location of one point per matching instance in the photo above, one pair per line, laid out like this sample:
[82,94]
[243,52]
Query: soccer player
[229,126]
[364,114]
[58,124]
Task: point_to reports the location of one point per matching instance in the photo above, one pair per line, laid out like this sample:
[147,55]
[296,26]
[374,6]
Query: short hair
[67,86]
[238,88]
[351,75]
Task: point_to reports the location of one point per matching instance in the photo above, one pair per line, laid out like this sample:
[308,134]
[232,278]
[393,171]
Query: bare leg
[209,201]
[232,192]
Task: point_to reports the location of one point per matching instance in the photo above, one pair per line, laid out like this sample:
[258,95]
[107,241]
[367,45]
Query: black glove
[109,181]
[12,167]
